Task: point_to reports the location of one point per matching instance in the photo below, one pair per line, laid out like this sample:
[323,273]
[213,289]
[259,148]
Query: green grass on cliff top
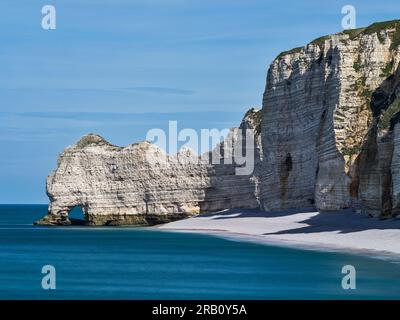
[354,33]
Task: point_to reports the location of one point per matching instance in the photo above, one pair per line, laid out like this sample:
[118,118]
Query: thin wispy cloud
[152,90]
[33,124]
[119,68]
[161,90]
[120,115]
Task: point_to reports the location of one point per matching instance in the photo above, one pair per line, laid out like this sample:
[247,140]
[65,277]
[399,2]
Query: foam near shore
[345,230]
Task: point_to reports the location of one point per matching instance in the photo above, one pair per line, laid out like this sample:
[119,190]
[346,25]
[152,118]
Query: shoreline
[242,237]
[373,237]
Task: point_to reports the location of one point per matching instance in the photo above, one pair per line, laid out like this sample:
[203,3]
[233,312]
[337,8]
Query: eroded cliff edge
[327,138]
[140,184]
[326,133]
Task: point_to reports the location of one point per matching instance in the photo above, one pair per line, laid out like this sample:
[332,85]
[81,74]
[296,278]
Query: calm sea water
[138,263]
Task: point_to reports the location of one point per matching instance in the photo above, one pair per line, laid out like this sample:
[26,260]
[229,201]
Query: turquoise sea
[139,263]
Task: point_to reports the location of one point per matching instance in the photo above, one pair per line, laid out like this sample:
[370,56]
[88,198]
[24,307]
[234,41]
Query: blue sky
[119,68]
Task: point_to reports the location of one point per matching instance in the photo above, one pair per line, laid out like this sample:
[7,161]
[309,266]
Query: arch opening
[77,216]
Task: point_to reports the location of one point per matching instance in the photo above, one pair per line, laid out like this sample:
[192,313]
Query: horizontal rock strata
[324,143]
[140,184]
[328,137]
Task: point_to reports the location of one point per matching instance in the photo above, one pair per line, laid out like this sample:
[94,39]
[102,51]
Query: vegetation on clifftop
[284,53]
[353,33]
[376,27]
[320,41]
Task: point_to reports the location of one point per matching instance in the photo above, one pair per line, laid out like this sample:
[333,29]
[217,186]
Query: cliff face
[140,184]
[327,137]
[324,138]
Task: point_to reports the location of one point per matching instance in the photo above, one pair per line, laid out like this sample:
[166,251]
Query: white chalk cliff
[327,137]
[326,131]
[140,184]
